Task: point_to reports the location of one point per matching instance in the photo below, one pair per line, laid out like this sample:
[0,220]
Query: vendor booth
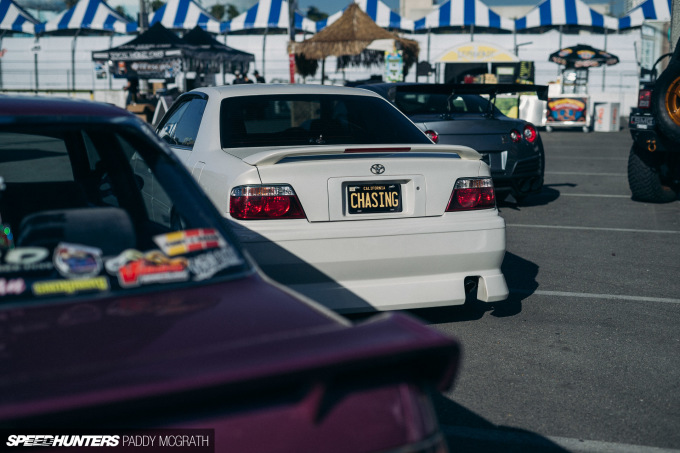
[484,63]
[568,101]
[480,62]
[160,56]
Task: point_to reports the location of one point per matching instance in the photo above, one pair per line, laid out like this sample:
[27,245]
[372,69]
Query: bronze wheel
[666,102]
[672,101]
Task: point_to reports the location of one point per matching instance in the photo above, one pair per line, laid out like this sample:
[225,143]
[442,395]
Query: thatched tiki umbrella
[350,35]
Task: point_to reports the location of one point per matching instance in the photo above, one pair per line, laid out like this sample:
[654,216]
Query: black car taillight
[530,133]
[644,99]
[434,136]
[265,202]
[515,136]
[472,193]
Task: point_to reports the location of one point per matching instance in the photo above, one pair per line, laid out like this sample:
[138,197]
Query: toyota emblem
[377,169]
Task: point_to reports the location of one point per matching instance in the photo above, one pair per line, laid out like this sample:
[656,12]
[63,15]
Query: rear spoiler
[490,89]
[270,156]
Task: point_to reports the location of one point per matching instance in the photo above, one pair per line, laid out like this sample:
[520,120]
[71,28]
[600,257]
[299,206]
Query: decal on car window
[151,267]
[208,264]
[50,287]
[26,259]
[187,241]
[77,261]
[12,286]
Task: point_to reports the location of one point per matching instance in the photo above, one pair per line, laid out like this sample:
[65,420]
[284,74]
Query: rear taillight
[515,136]
[434,136]
[530,133]
[645,99]
[472,193]
[265,202]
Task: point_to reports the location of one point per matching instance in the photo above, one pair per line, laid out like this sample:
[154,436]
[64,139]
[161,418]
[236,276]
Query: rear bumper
[524,177]
[364,265]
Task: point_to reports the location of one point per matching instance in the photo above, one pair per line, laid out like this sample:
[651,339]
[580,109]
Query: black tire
[666,101]
[644,178]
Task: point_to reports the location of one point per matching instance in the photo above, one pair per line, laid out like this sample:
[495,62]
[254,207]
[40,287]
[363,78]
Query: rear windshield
[98,210]
[297,120]
[415,103]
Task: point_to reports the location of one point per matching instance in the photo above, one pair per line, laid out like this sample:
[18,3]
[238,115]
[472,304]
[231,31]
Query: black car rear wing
[491,89]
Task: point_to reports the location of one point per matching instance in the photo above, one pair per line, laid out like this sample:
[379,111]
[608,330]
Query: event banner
[567,109]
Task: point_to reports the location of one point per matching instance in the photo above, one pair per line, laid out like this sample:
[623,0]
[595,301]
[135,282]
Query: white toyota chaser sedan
[338,195]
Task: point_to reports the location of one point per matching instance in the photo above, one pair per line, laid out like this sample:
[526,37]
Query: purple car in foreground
[126,302]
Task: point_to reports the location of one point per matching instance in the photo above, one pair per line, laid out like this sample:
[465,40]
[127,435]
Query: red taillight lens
[530,133]
[515,136]
[265,202]
[645,99]
[472,193]
[434,136]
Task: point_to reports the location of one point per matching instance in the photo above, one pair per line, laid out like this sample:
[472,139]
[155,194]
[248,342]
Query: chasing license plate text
[372,198]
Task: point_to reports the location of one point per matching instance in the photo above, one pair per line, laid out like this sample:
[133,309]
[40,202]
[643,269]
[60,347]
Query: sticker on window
[152,267]
[77,261]
[208,264]
[50,287]
[187,241]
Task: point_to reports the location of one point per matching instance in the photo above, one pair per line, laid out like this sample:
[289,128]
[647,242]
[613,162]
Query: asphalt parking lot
[585,354]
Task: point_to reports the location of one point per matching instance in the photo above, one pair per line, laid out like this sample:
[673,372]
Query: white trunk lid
[359,183]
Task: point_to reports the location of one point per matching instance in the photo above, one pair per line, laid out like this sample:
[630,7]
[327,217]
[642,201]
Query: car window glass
[159,207]
[295,120]
[167,129]
[186,130]
[99,211]
[47,155]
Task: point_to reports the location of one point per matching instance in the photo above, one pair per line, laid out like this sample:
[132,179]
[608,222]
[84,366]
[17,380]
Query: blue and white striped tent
[377,10]
[89,15]
[651,10]
[268,14]
[184,15]
[14,18]
[463,13]
[552,13]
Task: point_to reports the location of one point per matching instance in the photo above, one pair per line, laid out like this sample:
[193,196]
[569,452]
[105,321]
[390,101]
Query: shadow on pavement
[545,196]
[467,432]
[520,275]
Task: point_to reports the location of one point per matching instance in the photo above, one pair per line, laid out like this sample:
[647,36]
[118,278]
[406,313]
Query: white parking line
[665,300]
[579,173]
[530,440]
[595,195]
[619,230]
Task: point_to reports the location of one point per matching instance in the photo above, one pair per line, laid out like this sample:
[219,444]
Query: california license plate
[373,198]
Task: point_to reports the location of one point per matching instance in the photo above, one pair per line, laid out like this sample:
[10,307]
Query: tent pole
[110,75]
[73,61]
[472,33]
[224,66]
[604,66]
[2,35]
[264,45]
[35,62]
[560,46]
[429,29]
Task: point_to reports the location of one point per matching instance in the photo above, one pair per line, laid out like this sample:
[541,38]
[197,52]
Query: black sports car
[459,114]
